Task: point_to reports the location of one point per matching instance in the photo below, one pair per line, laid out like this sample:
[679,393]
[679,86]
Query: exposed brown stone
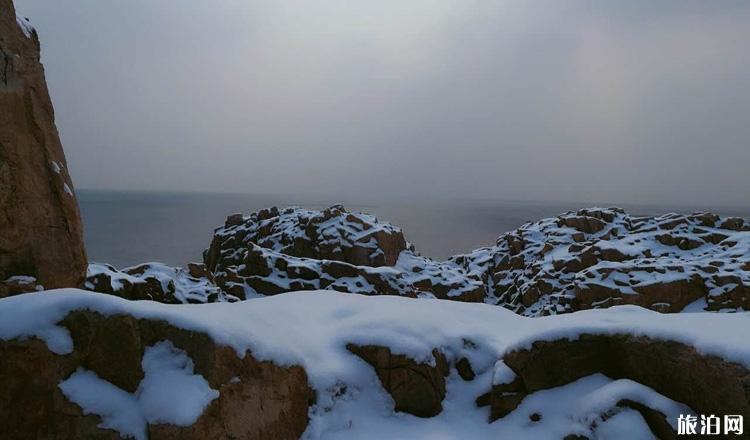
[264,401]
[416,388]
[40,226]
[463,366]
[584,223]
[707,384]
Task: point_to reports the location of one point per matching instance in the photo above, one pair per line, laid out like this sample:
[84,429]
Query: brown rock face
[257,400]
[40,226]
[416,388]
[707,384]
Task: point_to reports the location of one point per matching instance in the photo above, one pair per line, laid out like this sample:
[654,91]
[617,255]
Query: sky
[628,101]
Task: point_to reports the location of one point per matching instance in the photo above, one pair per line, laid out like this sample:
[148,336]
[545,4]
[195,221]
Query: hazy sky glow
[624,101]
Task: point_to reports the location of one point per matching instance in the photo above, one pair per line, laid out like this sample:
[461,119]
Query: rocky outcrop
[417,388]
[256,400]
[597,258]
[272,252]
[155,282]
[331,234]
[40,226]
[707,384]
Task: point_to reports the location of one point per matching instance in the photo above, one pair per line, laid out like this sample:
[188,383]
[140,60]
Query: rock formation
[272,252]
[155,282]
[597,258]
[76,364]
[256,400]
[40,226]
[593,258]
[417,388]
[708,384]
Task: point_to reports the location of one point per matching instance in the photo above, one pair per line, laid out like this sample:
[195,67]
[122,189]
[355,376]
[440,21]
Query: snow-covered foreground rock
[593,258]
[323,365]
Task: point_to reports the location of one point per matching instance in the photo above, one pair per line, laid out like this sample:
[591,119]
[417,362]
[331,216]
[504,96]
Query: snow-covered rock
[285,366]
[593,258]
[597,258]
[272,252]
[156,282]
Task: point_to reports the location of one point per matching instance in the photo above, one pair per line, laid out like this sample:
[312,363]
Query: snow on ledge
[312,328]
[25,25]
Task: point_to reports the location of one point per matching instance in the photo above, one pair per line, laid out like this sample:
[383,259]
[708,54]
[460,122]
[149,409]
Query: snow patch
[169,393]
[25,25]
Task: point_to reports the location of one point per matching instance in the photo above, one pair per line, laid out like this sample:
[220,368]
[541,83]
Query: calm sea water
[126,228]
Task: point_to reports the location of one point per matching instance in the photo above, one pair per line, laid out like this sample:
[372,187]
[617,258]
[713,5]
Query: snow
[599,401]
[168,393]
[56,167]
[118,409]
[503,374]
[625,425]
[25,26]
[627,255]
[21,279]
[312,329]
[174,280]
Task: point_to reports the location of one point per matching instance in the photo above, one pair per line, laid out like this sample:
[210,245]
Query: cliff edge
[40,226]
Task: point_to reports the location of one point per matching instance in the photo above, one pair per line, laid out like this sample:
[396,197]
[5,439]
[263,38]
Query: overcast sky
[624,101]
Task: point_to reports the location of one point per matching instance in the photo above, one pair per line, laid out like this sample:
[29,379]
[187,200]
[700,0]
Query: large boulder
[40,226]
[707,384]
[417,388]
[252,399]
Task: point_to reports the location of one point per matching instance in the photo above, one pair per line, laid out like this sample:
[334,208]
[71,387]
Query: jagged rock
[597,258]
[272,252]
[707,384]
[333,234]
[417,388]
[154,282]
[40,229]
[257,400]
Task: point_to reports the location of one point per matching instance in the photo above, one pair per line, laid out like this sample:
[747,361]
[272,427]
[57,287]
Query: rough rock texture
[40,226]
[592,258]
[708,384]
[417,388]
[597,258]
[272,252]
[257,400]
[332,234]
[155,282]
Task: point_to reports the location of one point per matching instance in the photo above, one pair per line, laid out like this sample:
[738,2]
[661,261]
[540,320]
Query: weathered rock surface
[417,388]
[331,234]
[40,226]
[272,252]
[257,400]
[597,258]
[155,282]
[707,384]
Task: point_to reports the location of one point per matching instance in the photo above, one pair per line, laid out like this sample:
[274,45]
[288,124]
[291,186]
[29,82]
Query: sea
[125,228]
